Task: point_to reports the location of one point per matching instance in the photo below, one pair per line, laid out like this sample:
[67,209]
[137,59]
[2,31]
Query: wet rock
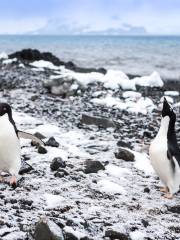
[31,55]
[52,142]
[112,234]
[174,209]
[25,168]
[124,154]
[98,121]
[93,166]
[57,163]
[47,230]
[42,150]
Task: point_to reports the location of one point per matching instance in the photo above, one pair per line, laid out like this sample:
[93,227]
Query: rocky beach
[93,178]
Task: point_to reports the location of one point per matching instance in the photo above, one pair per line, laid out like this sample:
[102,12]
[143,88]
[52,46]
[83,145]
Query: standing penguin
[10,150]
[165,153]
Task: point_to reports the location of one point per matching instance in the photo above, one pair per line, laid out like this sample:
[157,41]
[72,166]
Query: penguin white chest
[9,147]
[158,153]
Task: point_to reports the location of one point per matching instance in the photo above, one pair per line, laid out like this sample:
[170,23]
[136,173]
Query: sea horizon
[133,54]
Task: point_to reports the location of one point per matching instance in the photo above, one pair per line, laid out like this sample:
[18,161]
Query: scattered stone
[61,173]
[174,209]
[57,163]
[98,121]
[146,190]
[47,230]
[25,168]
[124,154]
[93,166]
[39,135]
[121,143]
[42,150]
[52,142]
[112,234]
[145,223]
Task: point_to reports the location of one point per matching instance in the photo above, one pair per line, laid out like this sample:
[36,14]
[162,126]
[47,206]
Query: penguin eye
[4,108]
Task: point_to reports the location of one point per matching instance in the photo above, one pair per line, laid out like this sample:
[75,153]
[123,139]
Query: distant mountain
[55,27]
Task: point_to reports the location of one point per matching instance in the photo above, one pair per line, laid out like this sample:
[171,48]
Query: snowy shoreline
[120,199]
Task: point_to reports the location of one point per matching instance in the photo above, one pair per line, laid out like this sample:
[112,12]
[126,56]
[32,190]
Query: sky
[156,16]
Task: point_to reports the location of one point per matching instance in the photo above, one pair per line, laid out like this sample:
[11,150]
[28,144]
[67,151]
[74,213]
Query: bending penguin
[165,153]
[10,150]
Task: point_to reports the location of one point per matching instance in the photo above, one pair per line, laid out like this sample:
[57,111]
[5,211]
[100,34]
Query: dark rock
[25,168]
[52,142]
[61,173]
[93,166]
[70,236]
[47,230]
[57,163]
[42,150]
[145,223]
[31,55]
[39,135]
[98,121]
[146,190]
[174,209]
[112,234]
[124,154]
[121,143]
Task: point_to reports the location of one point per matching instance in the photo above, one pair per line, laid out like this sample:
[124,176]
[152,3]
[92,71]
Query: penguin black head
[168,111]
[5,108]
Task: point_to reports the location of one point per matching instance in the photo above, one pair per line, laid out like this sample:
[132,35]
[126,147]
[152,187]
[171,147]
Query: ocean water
[135,55]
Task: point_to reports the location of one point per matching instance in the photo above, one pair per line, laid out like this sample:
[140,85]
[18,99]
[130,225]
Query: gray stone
[47,230]
[112,234]
[124,154]
[93,166]
[98,121]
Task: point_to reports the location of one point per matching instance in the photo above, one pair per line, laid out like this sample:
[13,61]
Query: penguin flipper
[30,136]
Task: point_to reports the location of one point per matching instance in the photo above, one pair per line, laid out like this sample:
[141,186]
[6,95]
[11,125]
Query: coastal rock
[98,121]
[112,234]
[47,230]
[31,55]
[57,163]
[39,135]
[124,154]
[93,166]
[52,142]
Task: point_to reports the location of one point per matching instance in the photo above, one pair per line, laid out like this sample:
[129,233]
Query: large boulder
[47,230]
[31,55]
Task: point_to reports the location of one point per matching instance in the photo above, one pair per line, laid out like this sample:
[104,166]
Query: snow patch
[110,187]
[54,201]
[44,64]
[153,80]
[3,55]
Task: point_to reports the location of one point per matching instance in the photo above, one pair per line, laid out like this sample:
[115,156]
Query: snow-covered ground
[123,197]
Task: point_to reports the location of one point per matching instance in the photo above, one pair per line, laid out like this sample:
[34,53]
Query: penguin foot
[168,196]
[164,189]
[13,181]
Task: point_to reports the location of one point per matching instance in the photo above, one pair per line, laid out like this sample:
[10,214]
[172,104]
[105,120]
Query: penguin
[165,154]
[10,150]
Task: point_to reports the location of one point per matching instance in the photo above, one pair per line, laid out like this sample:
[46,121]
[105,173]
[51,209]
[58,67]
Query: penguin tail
[30,136]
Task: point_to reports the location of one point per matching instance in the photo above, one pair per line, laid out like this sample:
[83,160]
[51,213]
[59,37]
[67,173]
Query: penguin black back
[6,109]
[173,148]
